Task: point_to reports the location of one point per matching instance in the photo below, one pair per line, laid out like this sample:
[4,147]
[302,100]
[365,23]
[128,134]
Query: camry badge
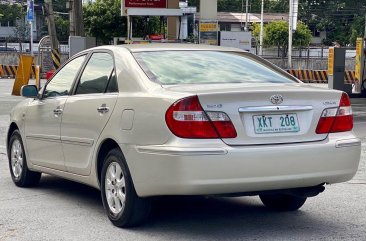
[276,99]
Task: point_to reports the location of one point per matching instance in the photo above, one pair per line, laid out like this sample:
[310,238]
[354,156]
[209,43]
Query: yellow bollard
[23,73]
[38,80]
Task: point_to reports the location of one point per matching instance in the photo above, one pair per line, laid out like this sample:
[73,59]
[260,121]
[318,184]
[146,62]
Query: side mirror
[29,91]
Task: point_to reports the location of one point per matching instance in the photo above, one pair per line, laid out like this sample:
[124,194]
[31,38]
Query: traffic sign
[30,10]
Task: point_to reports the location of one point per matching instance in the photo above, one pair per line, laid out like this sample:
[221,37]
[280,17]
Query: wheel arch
[105,146]
[13,126]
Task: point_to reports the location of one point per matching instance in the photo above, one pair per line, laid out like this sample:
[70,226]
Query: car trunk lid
[266,113]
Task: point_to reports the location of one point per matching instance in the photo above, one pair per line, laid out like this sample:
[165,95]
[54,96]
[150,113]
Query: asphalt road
[62,210]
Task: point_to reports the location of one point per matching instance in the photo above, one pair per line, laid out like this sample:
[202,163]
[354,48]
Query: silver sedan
[139,121]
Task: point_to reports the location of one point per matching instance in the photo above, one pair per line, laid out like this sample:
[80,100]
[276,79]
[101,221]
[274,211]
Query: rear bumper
[200,170]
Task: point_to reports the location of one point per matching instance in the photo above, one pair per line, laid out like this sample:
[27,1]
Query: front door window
[61,83]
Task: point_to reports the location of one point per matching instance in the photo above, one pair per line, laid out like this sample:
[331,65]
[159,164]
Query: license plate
[279,123]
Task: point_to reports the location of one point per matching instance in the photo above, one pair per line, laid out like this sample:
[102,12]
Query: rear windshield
[200,67]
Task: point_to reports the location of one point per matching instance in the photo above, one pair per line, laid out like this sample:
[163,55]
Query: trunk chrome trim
[180,151]
[348,143]
[271,108]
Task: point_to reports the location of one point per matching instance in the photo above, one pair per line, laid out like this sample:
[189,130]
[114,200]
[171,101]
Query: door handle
[58,111]
[103,109]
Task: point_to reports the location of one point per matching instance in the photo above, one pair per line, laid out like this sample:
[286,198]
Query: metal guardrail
[9,71]
[319,76]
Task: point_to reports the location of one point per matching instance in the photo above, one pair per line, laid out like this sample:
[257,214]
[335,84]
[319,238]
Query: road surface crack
[23,197]
[356,183]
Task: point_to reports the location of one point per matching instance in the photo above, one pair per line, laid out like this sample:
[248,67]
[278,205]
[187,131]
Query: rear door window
[98,75]
[112,85]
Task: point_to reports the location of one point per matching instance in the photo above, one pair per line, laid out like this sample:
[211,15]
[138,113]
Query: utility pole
[56,57]
[364,34]
[241,15]
[261,31]
[51,23]
[290,27]
[70,6]
[363,59]
[76,17]
[246,16]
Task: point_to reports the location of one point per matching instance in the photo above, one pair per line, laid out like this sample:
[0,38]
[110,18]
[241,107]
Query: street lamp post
[261,32]
[246,15]
[30,17]
[31,37]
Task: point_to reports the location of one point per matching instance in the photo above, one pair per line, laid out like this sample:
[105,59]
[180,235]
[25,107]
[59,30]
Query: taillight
[336,119]
[187,119]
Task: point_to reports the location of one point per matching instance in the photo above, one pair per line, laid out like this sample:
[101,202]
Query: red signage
[145,3]
[156,36]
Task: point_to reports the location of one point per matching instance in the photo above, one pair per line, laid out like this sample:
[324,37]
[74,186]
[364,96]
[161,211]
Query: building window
[314,31]
[10,23]
[225,27]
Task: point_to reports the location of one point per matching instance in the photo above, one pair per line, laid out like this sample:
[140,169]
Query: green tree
[62,22]
[9,13]
[302,35]
[341,19]
[102,19]
[21,32]
[194,3]
[276,34]
[254,5]
[62,28]
[22,28]
[357,29]
[256,28]
[59,5]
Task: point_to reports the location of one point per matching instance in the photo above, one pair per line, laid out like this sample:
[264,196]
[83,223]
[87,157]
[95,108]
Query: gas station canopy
[154,12]
[149,8]
[172,15]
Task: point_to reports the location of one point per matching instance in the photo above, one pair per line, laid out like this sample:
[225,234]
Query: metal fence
[309,58]
[308,63]
[25,47]
[302,52]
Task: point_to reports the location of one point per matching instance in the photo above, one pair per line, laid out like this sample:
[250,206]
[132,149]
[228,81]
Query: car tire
[21,175]
[124,208]
[282,202]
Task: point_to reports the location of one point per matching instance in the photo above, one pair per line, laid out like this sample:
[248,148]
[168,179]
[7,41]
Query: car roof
[168,46]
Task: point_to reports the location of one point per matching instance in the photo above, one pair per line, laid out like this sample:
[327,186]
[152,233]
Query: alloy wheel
[115,188]
[17,163]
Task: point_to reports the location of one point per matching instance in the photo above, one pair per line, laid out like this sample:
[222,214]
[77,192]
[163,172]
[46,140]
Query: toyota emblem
[276,99]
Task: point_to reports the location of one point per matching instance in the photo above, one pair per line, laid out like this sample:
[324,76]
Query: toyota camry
[139,121]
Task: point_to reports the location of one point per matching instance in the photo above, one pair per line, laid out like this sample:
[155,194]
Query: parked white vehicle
[138,121]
